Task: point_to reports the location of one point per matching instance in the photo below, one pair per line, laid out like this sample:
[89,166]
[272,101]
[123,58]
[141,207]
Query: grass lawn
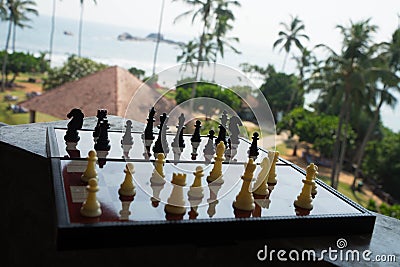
[11,118]
[345,189]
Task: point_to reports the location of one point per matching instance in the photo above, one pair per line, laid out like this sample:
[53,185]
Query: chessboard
[143,218]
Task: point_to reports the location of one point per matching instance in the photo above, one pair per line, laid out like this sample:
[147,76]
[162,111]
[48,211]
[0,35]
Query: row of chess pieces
[231,142]
[102,142]
[244,203]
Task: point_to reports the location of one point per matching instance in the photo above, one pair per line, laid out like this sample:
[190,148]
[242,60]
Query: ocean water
[100,43]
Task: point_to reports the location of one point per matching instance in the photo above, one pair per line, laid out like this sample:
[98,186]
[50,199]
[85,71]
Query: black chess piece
[234,130]
[222,129]
[178,144]
[196,139]
[148,131]
[209,149]
[161,145]
[127,138]
[178,140]
[101,115]
[233,141]
[103,143]
[74,125]
[196,134]
[253,150]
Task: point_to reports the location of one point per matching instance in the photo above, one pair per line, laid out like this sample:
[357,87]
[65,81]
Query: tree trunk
[14,37]
[284,61]
[336,147]
[200,59]
[4,67]
[342,148]
[367,136]
[13,79]
[215,68]
[80,30]
[53,26]
[158,38]
[294,94]
[294,154]
[292,97]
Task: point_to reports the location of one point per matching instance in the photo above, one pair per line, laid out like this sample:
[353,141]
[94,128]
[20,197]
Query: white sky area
[257,21]
[256,24]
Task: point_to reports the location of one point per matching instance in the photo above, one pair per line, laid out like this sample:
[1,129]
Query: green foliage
[20,62]
[385,209]
[139,73]
[318,129]
[73,69]
[381,164]
[278,90]
[226,96]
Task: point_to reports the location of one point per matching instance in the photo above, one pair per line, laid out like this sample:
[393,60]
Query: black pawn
[253,151]
[196,134]
[103,143]
[127,139]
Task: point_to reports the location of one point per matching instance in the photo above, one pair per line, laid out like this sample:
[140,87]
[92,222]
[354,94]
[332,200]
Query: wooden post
[32,116]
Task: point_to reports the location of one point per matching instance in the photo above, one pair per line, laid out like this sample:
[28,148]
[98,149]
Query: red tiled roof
[114,89]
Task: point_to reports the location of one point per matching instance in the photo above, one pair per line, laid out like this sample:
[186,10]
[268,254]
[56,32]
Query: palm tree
[385,75]
[206,10]
[81,26]
[292,35]
[20,11]
[223,17]
[3,11]
[304,63]
[17,11]
[343,77]
[189,54]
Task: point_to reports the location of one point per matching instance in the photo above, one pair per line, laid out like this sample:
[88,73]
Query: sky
[256,24]
[257,21]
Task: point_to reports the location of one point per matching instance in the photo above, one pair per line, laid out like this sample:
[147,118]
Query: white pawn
[90,171]
[158,176]
[196,190]
[127,188]
[245,200]
[261,186]
[216,172]
[91,207]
